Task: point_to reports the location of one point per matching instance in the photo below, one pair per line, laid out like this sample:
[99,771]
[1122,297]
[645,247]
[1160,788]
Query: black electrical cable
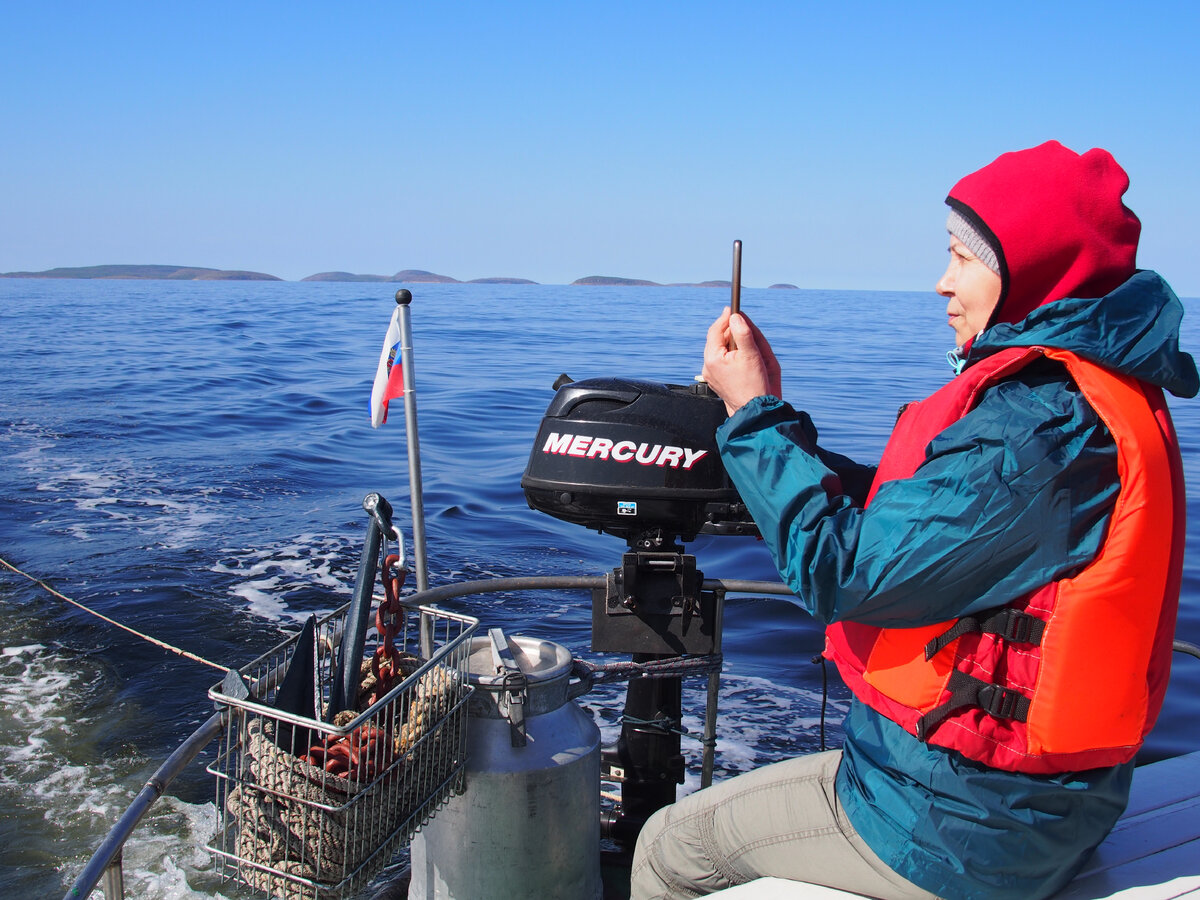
[820,658]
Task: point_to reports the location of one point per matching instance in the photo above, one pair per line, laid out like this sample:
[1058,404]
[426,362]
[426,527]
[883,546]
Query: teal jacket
[927,550]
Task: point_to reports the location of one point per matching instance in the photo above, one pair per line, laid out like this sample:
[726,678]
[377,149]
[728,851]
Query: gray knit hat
[958,226]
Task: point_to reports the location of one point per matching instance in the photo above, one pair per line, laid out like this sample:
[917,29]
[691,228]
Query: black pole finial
[403,296]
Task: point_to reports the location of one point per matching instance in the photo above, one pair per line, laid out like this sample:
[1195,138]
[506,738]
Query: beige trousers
[783,820]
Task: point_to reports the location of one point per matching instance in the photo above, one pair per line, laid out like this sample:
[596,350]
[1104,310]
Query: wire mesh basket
[313,809]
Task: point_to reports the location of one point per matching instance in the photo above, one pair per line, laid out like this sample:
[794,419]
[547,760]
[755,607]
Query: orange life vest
[1070,676]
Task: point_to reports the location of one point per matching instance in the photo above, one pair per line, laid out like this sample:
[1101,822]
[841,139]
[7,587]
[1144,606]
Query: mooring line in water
[133,631]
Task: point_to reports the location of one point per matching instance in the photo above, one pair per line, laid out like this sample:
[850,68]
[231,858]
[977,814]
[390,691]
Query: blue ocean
[190,458]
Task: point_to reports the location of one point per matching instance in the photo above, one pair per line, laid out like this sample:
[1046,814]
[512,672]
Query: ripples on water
[191,457]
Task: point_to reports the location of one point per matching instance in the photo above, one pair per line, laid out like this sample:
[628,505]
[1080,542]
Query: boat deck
[1153,852]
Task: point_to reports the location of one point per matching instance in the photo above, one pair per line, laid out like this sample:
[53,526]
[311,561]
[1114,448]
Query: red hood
[1057,222]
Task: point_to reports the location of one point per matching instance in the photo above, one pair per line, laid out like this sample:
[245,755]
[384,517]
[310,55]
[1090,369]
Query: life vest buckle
[967,690]
[1012,625]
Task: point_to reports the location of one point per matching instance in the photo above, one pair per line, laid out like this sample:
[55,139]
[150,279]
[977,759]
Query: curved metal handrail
[106,861]
[1185,647]
[434,595]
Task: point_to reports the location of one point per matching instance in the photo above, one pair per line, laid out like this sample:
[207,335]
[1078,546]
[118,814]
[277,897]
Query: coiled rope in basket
[310,821]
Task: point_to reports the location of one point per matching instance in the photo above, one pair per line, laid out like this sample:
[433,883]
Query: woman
[1001,600]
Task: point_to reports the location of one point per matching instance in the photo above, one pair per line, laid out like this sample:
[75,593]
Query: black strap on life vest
[967,690]
[1011,624]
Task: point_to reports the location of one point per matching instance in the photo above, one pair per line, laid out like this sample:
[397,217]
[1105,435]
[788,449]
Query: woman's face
[972,289]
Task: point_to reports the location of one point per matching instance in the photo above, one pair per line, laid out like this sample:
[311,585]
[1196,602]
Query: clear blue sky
[557,140]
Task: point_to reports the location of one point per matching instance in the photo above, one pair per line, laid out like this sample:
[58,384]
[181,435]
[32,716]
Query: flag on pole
[389,376]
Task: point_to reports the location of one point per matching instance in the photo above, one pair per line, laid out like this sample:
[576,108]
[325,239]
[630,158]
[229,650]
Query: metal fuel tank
[528,823]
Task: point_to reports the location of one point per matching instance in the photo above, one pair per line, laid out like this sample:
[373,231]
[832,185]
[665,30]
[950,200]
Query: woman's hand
[739,375]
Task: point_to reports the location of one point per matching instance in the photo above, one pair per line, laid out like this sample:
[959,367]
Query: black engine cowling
[635,459]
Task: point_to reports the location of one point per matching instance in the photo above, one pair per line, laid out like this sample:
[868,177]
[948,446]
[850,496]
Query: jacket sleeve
[1016,493]
[854,479]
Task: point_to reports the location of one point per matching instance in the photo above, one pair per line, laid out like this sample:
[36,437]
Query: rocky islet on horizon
[412,276]
[406,276]
[165,273]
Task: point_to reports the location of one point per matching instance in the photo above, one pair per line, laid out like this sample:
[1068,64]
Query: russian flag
[389,376]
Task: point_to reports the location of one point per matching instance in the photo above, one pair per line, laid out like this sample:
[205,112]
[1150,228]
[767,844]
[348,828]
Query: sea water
[190,458]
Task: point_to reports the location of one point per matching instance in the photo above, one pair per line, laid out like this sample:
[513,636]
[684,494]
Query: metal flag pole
[420,562]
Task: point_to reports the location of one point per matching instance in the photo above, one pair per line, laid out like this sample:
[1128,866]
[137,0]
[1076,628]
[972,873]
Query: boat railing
[105,866]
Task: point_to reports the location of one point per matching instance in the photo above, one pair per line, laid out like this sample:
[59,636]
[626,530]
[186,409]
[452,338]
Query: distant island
[168,273]
[592,280]
[412,276]
[344,276]
[612,280]
[409,276]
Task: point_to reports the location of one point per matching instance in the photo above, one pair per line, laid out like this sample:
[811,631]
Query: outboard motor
[635,459]
[638,460]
